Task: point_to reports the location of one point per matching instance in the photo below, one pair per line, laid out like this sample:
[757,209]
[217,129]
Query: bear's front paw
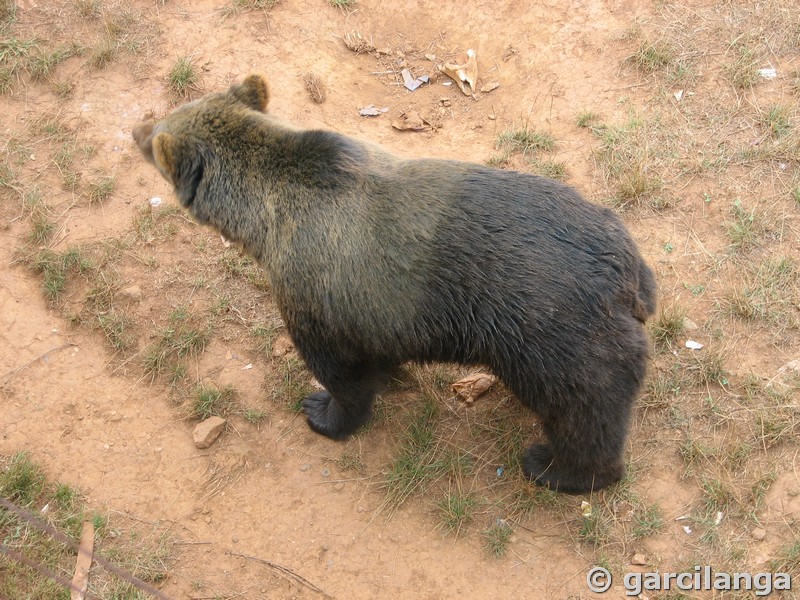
[324,415]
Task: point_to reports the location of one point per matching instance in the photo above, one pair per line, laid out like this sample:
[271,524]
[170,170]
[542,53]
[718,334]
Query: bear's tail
[645,301]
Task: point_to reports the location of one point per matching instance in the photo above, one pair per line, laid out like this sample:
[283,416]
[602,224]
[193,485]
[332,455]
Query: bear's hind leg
[346,402]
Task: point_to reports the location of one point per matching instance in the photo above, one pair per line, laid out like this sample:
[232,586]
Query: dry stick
[20,558]
[80,581]
[40,357]
[57,535]
[284,571]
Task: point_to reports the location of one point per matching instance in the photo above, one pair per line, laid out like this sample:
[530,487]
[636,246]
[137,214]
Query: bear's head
[191,139]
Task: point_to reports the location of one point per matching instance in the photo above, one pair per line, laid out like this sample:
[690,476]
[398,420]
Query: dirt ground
[269,488]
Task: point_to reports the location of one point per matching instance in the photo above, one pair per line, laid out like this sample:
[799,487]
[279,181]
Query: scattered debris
[768,73]
[692,345]
[315,87]
[371,111]
[155,202]
[207,432]
[225,242]
[466,75]
[687,529]
[445,101]
[129,295]
[431,57]
[472,386]
[411,83]
[758,534]
[678,95]
[586,509]
[282,345]
[639,560]
[510,51]
[500,471]
[355,42]
[489,87]
[411,121]
[792,365]
[719,517]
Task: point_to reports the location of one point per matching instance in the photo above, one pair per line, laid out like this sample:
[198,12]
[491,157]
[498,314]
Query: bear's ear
[181,162]
[253,91]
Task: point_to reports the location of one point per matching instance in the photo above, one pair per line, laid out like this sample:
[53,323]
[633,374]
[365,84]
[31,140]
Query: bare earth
[274,490]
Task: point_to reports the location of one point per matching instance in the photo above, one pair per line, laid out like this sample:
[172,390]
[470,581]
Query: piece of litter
[768,73]
[499,471]
[155,201]
[466,75]
[45,508]
[692,345]
[678,95]
[371,111]
[448,83]
[687,529]
[718,520]
[472,386]
[225,242]
[586,509]
[682,518]
[410,82]
[247,366]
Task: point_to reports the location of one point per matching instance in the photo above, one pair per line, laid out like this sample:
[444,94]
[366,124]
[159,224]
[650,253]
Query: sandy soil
[92,419]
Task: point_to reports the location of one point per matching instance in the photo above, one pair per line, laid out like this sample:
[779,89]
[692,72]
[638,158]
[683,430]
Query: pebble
[639,560]
[325,472]
[339,486]
[206,432]
[305,467]
[758,534]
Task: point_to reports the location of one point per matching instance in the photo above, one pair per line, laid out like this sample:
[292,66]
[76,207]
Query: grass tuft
[211,401]
[525,140]
[183,77]
[497,538]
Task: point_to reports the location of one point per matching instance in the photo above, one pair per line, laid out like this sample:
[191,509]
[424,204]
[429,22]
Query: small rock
[338,487]
[305,467]
[208,520]
[129,295]
[758,534]
[639,560]
[207,432]
[326,472]
[688,324]
[490,87]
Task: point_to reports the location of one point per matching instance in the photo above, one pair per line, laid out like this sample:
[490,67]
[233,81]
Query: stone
[129,295]
[688,324]
[639,560]
[758,534]
[207,432]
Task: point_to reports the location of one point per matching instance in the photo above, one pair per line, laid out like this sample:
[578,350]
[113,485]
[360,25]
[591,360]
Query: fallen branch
[284,571]
[80,580]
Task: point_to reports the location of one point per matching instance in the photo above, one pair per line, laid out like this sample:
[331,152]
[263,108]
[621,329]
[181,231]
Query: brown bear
[376,260]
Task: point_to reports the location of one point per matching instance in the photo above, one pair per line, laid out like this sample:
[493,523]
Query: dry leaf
[472,386]
[411,121]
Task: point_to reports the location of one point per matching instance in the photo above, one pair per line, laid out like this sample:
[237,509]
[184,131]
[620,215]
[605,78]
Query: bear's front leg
[346,402]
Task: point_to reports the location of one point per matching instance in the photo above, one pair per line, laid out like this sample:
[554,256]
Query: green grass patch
[211,401]
[417,463]
[525,140]
[497,538]
[184,337]
[183,78]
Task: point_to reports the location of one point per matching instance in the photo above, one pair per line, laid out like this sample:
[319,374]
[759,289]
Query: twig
[80,580]
[284,571]
[40,357]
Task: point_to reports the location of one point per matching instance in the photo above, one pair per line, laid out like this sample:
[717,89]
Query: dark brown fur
[375,261]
